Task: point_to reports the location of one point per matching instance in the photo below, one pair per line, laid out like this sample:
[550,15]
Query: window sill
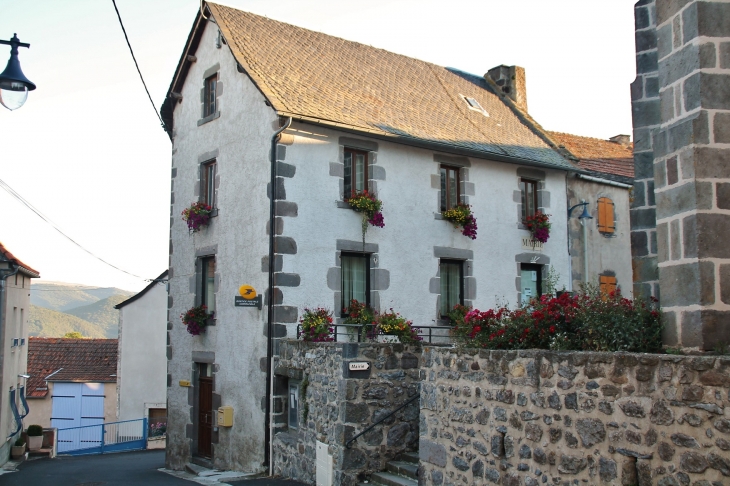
[438,216]
[209,118]
[214,213]
[343,205]
[210,322]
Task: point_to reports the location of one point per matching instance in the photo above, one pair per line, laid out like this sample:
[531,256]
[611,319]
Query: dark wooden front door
[205,416]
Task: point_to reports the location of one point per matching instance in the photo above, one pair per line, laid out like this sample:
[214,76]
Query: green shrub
[34,431]
[586,321]
[19,442]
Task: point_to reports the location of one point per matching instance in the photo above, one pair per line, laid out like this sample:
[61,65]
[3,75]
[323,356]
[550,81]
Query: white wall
[142,368]
[14,359]
[412,230]
[237,236]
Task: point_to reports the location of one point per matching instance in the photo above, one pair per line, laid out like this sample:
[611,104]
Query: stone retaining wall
[341,403]
[539,417]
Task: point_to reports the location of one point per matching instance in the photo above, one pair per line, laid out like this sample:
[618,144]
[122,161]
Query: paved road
[139,468]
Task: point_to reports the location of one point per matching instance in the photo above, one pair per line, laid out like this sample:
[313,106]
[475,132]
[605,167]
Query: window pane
[359,172]
[348,175]
[293,406]
[453,190]
[530,197]
[209,284]
[450,279]
[444,199]
[354,279]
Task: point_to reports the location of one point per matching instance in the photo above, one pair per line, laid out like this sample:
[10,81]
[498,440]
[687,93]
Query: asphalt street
[138,468]
[102,470]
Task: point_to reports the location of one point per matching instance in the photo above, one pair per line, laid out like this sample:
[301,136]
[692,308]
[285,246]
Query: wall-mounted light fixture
[14,86]
[583,215]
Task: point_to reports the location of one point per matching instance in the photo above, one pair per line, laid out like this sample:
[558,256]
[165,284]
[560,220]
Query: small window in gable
[607,284]
[356,172]
[606,216]
[209,101]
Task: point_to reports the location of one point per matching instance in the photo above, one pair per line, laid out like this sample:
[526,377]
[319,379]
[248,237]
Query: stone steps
[403,472]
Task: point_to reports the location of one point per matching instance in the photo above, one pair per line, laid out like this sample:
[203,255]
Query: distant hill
[50,323]
[102,314]
[62,296]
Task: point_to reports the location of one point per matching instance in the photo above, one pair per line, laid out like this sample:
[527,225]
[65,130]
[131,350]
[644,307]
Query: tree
[73,335]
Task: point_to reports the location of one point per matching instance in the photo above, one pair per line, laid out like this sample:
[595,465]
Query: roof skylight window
[473,104]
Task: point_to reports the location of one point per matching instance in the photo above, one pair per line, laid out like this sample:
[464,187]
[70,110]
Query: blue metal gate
[129,435]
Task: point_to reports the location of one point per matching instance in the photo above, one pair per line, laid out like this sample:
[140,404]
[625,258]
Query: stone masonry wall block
[627,419]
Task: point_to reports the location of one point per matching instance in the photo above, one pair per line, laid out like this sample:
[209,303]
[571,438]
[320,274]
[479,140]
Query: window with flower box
[356,172]
[450,187]
[451,280]
[355,270]
[207,183]
[528,190]
[207,287]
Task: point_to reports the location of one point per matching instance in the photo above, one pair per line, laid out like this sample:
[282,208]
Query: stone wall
[341,403]
[645,111]
[561,418]
[681,115]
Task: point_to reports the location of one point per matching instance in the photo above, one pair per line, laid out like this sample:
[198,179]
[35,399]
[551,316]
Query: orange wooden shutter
[605,215]
[607,284]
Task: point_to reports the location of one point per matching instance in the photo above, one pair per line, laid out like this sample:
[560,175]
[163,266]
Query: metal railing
[382,419]
[101,438]
[358,333]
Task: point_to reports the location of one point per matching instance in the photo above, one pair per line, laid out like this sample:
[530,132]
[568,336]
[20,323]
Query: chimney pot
[511,79]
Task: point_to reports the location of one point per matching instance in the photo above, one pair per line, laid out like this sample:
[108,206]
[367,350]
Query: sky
[88,151]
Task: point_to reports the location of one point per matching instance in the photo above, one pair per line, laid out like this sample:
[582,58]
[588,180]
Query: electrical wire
[137,65]
[20,198]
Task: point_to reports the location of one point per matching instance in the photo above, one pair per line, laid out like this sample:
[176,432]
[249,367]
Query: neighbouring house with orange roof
[73,382]
[15,277]
[599,246]
[276,130]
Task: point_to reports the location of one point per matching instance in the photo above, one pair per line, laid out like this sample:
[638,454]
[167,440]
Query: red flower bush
[589,321]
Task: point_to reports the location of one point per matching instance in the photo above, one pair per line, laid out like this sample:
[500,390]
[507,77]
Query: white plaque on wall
[531,244]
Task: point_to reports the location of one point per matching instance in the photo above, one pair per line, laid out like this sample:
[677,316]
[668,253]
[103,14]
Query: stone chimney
[511,80]
[624,140]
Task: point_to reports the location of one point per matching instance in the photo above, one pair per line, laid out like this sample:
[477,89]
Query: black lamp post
[14,86]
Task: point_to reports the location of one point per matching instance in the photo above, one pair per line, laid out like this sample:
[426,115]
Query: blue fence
[129,435]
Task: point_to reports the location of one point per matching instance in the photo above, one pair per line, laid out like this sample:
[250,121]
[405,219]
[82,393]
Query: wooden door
[205,416]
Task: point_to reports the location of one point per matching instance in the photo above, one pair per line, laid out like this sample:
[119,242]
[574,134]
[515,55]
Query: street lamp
[583,219]
[14,86]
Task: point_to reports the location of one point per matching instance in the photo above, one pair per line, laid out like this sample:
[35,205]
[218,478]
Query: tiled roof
[599,156]
[82,360]
[318,78]
[24,268]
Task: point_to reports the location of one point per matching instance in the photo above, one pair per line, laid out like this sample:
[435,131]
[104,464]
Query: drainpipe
[584,223]
[3,276]
[268,443]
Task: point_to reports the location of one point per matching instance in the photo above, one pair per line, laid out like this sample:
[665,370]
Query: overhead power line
[45,218]
[137,65]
